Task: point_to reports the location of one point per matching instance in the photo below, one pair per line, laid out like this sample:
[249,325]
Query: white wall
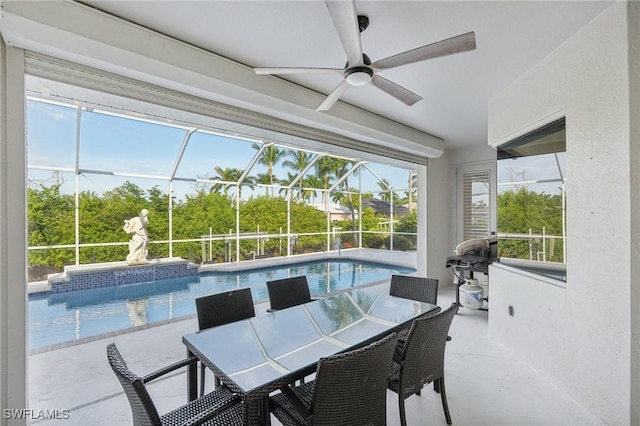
[579,337]
[438,220]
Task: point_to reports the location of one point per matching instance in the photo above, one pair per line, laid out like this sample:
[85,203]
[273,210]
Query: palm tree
[270,156]
[286,182]
[325,168]
[230,175]
[301,160]
[343,168]
[385,192]
[263,179]
[312,181]
[227,175]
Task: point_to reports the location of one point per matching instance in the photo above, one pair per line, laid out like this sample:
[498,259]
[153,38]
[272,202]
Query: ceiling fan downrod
[363,22]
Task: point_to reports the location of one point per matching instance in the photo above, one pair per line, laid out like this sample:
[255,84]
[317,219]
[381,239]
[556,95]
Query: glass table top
[265,348]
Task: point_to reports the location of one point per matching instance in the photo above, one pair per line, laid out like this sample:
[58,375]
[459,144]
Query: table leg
[192,379]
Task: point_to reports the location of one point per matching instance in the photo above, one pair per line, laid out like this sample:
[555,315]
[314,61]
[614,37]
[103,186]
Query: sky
[122,145]
[527,171]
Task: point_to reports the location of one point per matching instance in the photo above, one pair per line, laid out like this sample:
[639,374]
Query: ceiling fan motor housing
[358,76]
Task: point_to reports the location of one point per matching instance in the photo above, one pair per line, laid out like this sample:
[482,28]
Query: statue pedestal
[99,275]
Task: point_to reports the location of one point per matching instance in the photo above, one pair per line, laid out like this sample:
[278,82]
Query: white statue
[137,226]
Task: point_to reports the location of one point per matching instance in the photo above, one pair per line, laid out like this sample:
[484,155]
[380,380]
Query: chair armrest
[211,412]
[168,369]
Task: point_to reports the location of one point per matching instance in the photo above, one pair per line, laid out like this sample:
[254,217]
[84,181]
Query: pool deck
[486,384]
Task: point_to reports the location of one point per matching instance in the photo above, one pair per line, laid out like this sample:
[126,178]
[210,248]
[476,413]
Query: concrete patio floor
[486,384]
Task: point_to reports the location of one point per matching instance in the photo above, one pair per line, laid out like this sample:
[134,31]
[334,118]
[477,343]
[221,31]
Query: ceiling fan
[359,70]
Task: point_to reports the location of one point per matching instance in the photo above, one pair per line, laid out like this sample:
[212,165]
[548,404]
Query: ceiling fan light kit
[358,76]
[359,70]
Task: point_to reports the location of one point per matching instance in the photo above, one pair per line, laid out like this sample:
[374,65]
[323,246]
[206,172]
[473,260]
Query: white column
[13,279]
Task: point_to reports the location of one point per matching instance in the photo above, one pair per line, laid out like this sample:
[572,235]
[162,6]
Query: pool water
[64,317]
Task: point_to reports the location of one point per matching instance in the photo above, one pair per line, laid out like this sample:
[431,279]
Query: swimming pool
[57,318]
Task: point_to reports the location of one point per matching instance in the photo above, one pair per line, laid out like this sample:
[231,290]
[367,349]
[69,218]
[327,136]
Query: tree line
[520,210]
[51,222]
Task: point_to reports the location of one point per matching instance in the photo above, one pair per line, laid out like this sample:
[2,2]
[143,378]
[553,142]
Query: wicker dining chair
[220,407]
[222,308]
[349,389]
[422,359]
[414,288]
[287,292]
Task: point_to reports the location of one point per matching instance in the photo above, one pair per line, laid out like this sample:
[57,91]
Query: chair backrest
[223,308]
[351,388]
[423,352]
[142,408]
[287,292]
[414,288]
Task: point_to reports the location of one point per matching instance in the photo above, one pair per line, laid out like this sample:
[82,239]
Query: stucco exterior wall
[438,220]
[578,336]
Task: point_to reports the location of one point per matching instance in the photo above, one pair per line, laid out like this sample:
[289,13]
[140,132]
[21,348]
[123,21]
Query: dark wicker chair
[422,359]
[349,389]
[287,292]
[220,407]
[414,288]
[223,308]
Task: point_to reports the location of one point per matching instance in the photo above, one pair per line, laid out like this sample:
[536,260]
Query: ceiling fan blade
[398,92]
[333,96]
[345,19]
[457,44]
[292,70]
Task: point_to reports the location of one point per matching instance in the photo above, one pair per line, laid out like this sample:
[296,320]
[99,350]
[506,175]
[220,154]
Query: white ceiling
[511,37]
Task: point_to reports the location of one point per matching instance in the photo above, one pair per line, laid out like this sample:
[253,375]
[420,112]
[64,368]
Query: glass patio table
[256,356]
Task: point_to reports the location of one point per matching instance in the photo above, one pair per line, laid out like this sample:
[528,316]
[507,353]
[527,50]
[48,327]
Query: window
[476,209]
[532,173]
[476,194]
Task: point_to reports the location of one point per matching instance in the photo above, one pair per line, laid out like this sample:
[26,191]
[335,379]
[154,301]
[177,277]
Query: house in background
[336,211]
[384,208]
